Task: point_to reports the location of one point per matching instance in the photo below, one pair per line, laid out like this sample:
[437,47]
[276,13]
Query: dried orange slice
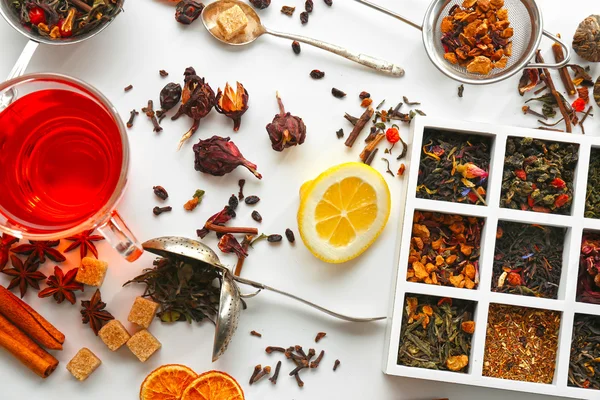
[214,385]
[167,382]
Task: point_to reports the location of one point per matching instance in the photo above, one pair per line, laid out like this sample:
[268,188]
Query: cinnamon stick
[240,263]
[559,56]
[371,146]
[359,126]
[227,229]
[547,78]
[29,321]
[26,350]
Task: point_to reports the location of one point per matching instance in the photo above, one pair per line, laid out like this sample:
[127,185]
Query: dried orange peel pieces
[477,36]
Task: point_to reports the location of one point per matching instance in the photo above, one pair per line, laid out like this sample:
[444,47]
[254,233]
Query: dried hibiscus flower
[233,104]
[286,130]
[229,244]
[219,156]
[198,99]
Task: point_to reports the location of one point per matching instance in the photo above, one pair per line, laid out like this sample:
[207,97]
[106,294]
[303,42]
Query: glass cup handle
[19,69]
[120,237]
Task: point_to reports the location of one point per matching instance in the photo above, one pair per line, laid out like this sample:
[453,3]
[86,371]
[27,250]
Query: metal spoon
[230,303]
[255,29]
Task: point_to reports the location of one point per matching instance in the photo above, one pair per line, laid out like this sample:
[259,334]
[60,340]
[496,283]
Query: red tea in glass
[61,157]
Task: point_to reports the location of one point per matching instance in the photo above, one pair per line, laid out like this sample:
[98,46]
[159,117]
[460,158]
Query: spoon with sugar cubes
[236,23]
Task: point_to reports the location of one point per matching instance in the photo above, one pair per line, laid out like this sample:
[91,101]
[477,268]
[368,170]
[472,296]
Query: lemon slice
[343,211]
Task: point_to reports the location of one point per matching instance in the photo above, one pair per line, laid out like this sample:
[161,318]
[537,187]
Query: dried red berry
[251,200]
[316,74]
[261,4]
[514,279]
[170,96]
[337,93]
[289,234]
[188,11]
[392,135]
[579,105]
[304,17]
[308,6]
[219,156]
[286,130]
[256,216]
[296,47]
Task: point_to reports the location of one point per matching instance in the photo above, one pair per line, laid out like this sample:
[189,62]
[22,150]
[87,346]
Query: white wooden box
[482,295]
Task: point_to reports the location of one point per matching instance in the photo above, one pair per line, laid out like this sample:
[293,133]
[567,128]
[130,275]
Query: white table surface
[146,38]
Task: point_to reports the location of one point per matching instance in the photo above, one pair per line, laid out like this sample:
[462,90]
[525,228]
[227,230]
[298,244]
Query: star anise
[93,312]
[25,275]
[62,286]
[5,244]
[40,250]
[85,242]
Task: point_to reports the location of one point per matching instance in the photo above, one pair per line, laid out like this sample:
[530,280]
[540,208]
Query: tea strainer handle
[561,64]
[7,97]
[308,303]
[382,66]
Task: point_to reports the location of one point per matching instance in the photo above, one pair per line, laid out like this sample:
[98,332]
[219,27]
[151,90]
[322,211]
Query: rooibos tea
[538,175]
[454,167]
[584,368]
[528,259]
[445,249]
[436,333]
[521,343]
[61,157]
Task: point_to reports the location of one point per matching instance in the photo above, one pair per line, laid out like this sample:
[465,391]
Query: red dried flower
[286,130]
[229,244]
[521,174]
[530,201]
[392,135]
[514,279]
[233,104]
[579,105]
[561,200]
[219,156]
[559,183]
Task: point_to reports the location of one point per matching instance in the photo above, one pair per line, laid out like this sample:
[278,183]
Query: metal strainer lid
[526,20]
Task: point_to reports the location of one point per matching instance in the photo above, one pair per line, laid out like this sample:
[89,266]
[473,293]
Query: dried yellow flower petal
[456,363]
[420,271]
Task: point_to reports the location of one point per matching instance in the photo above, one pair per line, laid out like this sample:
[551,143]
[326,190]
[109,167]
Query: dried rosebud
[229,244]
[233,104]
[470,171]
[219,156]
[188,11]
[198,100]
[170,96]
[286,130]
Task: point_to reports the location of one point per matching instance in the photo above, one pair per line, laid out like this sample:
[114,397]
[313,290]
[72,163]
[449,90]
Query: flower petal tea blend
[436,333]
[538,175]
[588,282]
[521,343]
[528,259]
[454,167]
[445,249]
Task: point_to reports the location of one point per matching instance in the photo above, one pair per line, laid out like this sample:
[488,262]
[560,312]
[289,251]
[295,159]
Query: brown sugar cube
[114,335]
[142,312]
[143,345]
[83,364]
[91,272]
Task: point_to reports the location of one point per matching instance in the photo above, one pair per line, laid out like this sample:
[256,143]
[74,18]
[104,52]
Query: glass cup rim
[105,213]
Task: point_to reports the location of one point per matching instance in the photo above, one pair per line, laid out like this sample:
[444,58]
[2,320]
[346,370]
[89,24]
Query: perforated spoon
[255,29]
[230,304]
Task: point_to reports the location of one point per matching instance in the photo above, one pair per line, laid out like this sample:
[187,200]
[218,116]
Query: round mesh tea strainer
[525,18]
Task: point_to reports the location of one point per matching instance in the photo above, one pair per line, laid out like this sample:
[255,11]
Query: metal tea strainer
[230,304]
[525,18]
[11,16]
